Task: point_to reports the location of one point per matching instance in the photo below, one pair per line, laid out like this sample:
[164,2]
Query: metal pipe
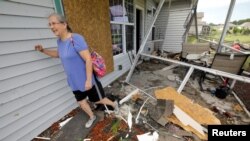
[232,85]
[229,14]
[225,46]
[190,71]
[241,103]
[141,91]
[213,71]
[196,24]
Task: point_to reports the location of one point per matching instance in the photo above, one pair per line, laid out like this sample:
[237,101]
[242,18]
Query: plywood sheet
[200,114]
[91,19]
[174,120]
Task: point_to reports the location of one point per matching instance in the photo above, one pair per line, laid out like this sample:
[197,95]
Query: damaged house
[33,87]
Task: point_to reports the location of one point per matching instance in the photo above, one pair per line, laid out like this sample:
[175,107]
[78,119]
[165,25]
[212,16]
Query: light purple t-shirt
[74,66]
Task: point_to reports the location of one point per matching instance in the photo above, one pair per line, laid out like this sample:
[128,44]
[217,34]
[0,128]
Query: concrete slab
[75,129]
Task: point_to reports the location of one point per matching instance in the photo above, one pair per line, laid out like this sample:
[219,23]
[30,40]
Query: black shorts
[96,93]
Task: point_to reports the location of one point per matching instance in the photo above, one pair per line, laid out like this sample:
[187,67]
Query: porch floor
[75,130]
[158,78]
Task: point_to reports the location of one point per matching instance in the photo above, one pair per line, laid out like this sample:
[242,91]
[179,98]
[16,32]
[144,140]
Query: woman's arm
[51,53]
[85,54]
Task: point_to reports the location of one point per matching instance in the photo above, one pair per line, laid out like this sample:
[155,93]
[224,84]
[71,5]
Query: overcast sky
[215,11]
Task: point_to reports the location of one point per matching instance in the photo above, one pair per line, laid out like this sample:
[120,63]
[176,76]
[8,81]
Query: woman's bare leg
[86,108]
[106,101]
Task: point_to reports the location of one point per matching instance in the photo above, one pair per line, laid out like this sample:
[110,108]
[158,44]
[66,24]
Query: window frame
[59,9]
[124,24]
[58,6]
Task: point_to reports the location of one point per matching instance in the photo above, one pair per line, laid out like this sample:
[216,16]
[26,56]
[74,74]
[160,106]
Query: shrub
[245,31]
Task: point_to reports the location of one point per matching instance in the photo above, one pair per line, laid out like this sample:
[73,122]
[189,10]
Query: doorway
[139,28]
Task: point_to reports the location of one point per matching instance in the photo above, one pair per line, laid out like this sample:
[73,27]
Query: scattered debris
[137,117]
[128,96]
[161,111]
[148,136]
[184,112]
[237,107]
[222,111]
[164,109]
[129,121]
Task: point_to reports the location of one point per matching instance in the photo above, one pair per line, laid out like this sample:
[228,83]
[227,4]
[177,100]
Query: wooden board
[200,114]
[175,120]
[91,19]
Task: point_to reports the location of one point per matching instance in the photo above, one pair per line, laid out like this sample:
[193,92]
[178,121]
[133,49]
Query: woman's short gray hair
[61,19]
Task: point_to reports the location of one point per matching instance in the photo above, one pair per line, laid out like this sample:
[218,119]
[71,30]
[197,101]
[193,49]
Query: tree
[239,22]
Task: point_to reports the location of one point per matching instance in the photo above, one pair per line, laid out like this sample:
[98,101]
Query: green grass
[230,38]
[242,38]
[191,39]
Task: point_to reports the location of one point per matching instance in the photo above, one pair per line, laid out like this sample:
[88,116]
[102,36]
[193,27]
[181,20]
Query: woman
[76,60]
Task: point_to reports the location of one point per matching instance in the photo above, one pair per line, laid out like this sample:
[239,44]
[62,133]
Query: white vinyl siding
[122,60]
[140,3]
[26,45]
[22,9]
[173,27]
[150,4]
[33,87]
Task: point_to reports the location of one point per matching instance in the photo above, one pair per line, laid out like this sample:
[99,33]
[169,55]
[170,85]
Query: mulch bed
[113,129]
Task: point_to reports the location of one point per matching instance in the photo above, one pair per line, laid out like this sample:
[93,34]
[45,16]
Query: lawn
[230,38]
[242,38]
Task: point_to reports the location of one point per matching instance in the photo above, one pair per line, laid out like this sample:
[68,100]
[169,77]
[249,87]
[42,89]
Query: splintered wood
[198,113]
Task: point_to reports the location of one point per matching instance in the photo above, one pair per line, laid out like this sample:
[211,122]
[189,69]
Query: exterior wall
[33,87]
[173,36]
[140,3]
[150,4]
[122,60]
